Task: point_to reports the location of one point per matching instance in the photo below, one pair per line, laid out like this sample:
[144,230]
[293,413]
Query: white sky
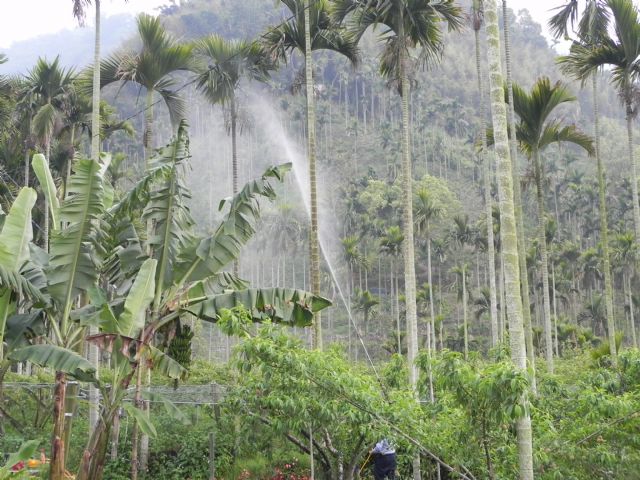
[22,19]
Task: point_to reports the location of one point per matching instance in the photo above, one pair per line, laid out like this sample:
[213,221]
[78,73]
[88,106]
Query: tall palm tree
[224,64]
[508,228]
[50,83]
[425,210]
[310,29]
[151,68]
[487,173]
[407,25]
[535,131]
[391,244]
[592,32]
[625,254]
[620,54]
[462,235]
[517,196]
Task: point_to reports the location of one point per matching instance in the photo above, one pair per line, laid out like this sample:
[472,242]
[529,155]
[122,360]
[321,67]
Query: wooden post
[212,456]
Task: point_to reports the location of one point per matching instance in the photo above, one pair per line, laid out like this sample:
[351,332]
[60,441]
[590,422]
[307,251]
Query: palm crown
[224,63]
[621,53]
[536,130]
[289,36]
[409,24]
[151,67]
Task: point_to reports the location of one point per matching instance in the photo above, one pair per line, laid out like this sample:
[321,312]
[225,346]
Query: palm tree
[462,235]
[391,244]
[50,83]
[517,195]
[491,253]
[508,228]
[620,55]
[425,210]
[535,131]
[151,68]
[625,255]
[592,33]
[310,29]
[224,64]
[366,302]
[407,25]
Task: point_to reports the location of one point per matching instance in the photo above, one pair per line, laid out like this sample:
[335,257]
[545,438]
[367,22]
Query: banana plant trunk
[135,434]
[508,231]
[491,253]
[314,246]
[544,262]
[57,465]
[604,227]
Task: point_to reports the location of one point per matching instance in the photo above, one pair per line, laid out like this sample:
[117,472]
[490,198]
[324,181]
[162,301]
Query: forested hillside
[223,259]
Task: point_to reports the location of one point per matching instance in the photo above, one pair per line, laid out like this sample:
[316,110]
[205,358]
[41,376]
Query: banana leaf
[292,307]
[58,359]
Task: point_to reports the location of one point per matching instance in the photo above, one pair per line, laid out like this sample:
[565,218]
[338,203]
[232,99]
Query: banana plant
[15,237]
[71,270]
[169,273]
[177,273]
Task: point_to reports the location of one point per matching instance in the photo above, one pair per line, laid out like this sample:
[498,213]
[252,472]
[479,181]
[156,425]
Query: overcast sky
[24,19]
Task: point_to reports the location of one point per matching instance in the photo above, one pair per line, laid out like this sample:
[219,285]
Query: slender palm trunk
[632,319]
[148,128]
[234,162]
[311,151]
[604,227]
[407,227]
[27,159]
[70,161]
[634,168]
[555,309]
[544,262]
[45,227]
[465,325]
[517,198]
[491,253]
[508,231]
[432,306]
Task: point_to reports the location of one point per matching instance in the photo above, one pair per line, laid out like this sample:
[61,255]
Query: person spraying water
[384,460]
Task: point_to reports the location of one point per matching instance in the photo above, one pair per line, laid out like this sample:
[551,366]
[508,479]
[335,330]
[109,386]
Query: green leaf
[41,169]
[294,307]
[141,419]
[223,247]
[17,231]
[73,265]
[172,410]
[23,326]
[165,365]
[140,296]
[57,358]
[27,450]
